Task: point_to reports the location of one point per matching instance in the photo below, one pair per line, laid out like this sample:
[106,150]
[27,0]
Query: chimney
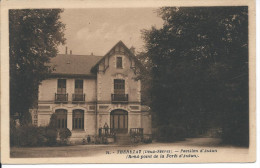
[132,49]
[92,53]
[66,51]
[70,52]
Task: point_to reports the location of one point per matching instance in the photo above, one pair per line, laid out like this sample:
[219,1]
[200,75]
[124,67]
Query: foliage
[13,133]
[25,135]
[26,118]
[168,133]
[147,140]
[53,121]
[34,37]
[64,134]
[199,70]
[29,135]
[51,136]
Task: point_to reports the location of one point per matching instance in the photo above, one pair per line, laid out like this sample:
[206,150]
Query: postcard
[128,81]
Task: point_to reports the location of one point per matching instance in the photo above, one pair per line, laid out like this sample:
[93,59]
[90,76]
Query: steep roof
[68,65]
[65,64]
[130,54]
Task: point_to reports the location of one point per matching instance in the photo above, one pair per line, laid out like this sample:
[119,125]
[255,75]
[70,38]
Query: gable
[119,49]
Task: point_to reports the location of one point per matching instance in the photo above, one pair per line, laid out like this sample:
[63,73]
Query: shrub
[64,133]
[41,134]
[13,134]
[53,121]
[25,135]
[51,136]
[170,133]
[29,135]
[147,139]
[26,119]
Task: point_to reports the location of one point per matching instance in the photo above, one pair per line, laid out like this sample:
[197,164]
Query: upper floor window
[119,86]
[78,86]
[119,62]
[61,86]
[78,95]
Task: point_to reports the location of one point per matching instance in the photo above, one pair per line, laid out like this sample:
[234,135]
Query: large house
[89,93]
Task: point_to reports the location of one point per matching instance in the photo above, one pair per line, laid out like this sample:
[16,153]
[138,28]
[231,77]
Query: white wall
[48,88]
[105,81]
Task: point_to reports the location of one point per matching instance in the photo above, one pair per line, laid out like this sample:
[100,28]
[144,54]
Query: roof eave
[61,75]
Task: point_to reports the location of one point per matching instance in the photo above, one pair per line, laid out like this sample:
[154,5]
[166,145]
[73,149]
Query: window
[61,91]
[79,87]
[61,86]
[61,118]
[119,86]
[78,119]
[119,62]
[78,95]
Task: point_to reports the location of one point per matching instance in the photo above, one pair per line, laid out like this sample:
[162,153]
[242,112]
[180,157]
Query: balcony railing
[61,98]
[119,98]
[77,98]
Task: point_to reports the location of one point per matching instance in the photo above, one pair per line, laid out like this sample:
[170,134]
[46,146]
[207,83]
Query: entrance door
[119,121]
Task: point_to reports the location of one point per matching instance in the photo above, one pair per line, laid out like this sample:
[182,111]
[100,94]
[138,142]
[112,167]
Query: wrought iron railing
[119,98]
[78,97]
[108,132]
[61,98]
[136,132]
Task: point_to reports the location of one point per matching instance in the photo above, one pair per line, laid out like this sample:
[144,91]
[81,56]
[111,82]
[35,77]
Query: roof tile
[73,64]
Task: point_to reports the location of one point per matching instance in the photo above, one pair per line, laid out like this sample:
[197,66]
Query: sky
[98,30]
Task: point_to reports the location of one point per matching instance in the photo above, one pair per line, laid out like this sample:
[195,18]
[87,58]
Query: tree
[34,37]
[200,70]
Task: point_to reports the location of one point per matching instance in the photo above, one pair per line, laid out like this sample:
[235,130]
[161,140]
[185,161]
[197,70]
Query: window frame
[79,85]
[61,87]
[119,86]
[78,120]
[62,118]
[117,62]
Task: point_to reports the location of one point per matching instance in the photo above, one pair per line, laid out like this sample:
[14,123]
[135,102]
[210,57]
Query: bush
[41,133]
[51,136]
[53,121]
[29,135]
[64,135]
[25,135]
[170,133]
[13,134]
[147,140]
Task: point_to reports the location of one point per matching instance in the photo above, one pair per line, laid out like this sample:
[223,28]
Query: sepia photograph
[155,84]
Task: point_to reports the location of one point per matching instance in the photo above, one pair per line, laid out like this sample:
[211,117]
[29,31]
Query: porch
[111,135]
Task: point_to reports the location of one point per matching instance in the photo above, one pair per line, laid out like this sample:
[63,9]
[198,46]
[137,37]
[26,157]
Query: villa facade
[88,92]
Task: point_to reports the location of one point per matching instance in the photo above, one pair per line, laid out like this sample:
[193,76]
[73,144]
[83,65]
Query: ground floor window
[61,118]
[78,119]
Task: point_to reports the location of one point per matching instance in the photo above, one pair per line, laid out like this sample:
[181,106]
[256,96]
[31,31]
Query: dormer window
[119,62]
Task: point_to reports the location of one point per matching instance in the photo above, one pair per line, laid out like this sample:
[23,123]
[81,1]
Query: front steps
[123,139]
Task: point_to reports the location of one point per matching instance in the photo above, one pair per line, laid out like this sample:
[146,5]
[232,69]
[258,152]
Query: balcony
[78,98]
[61,98]
[119,98]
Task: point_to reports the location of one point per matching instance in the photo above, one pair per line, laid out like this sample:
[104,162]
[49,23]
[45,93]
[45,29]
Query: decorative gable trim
[118,49]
